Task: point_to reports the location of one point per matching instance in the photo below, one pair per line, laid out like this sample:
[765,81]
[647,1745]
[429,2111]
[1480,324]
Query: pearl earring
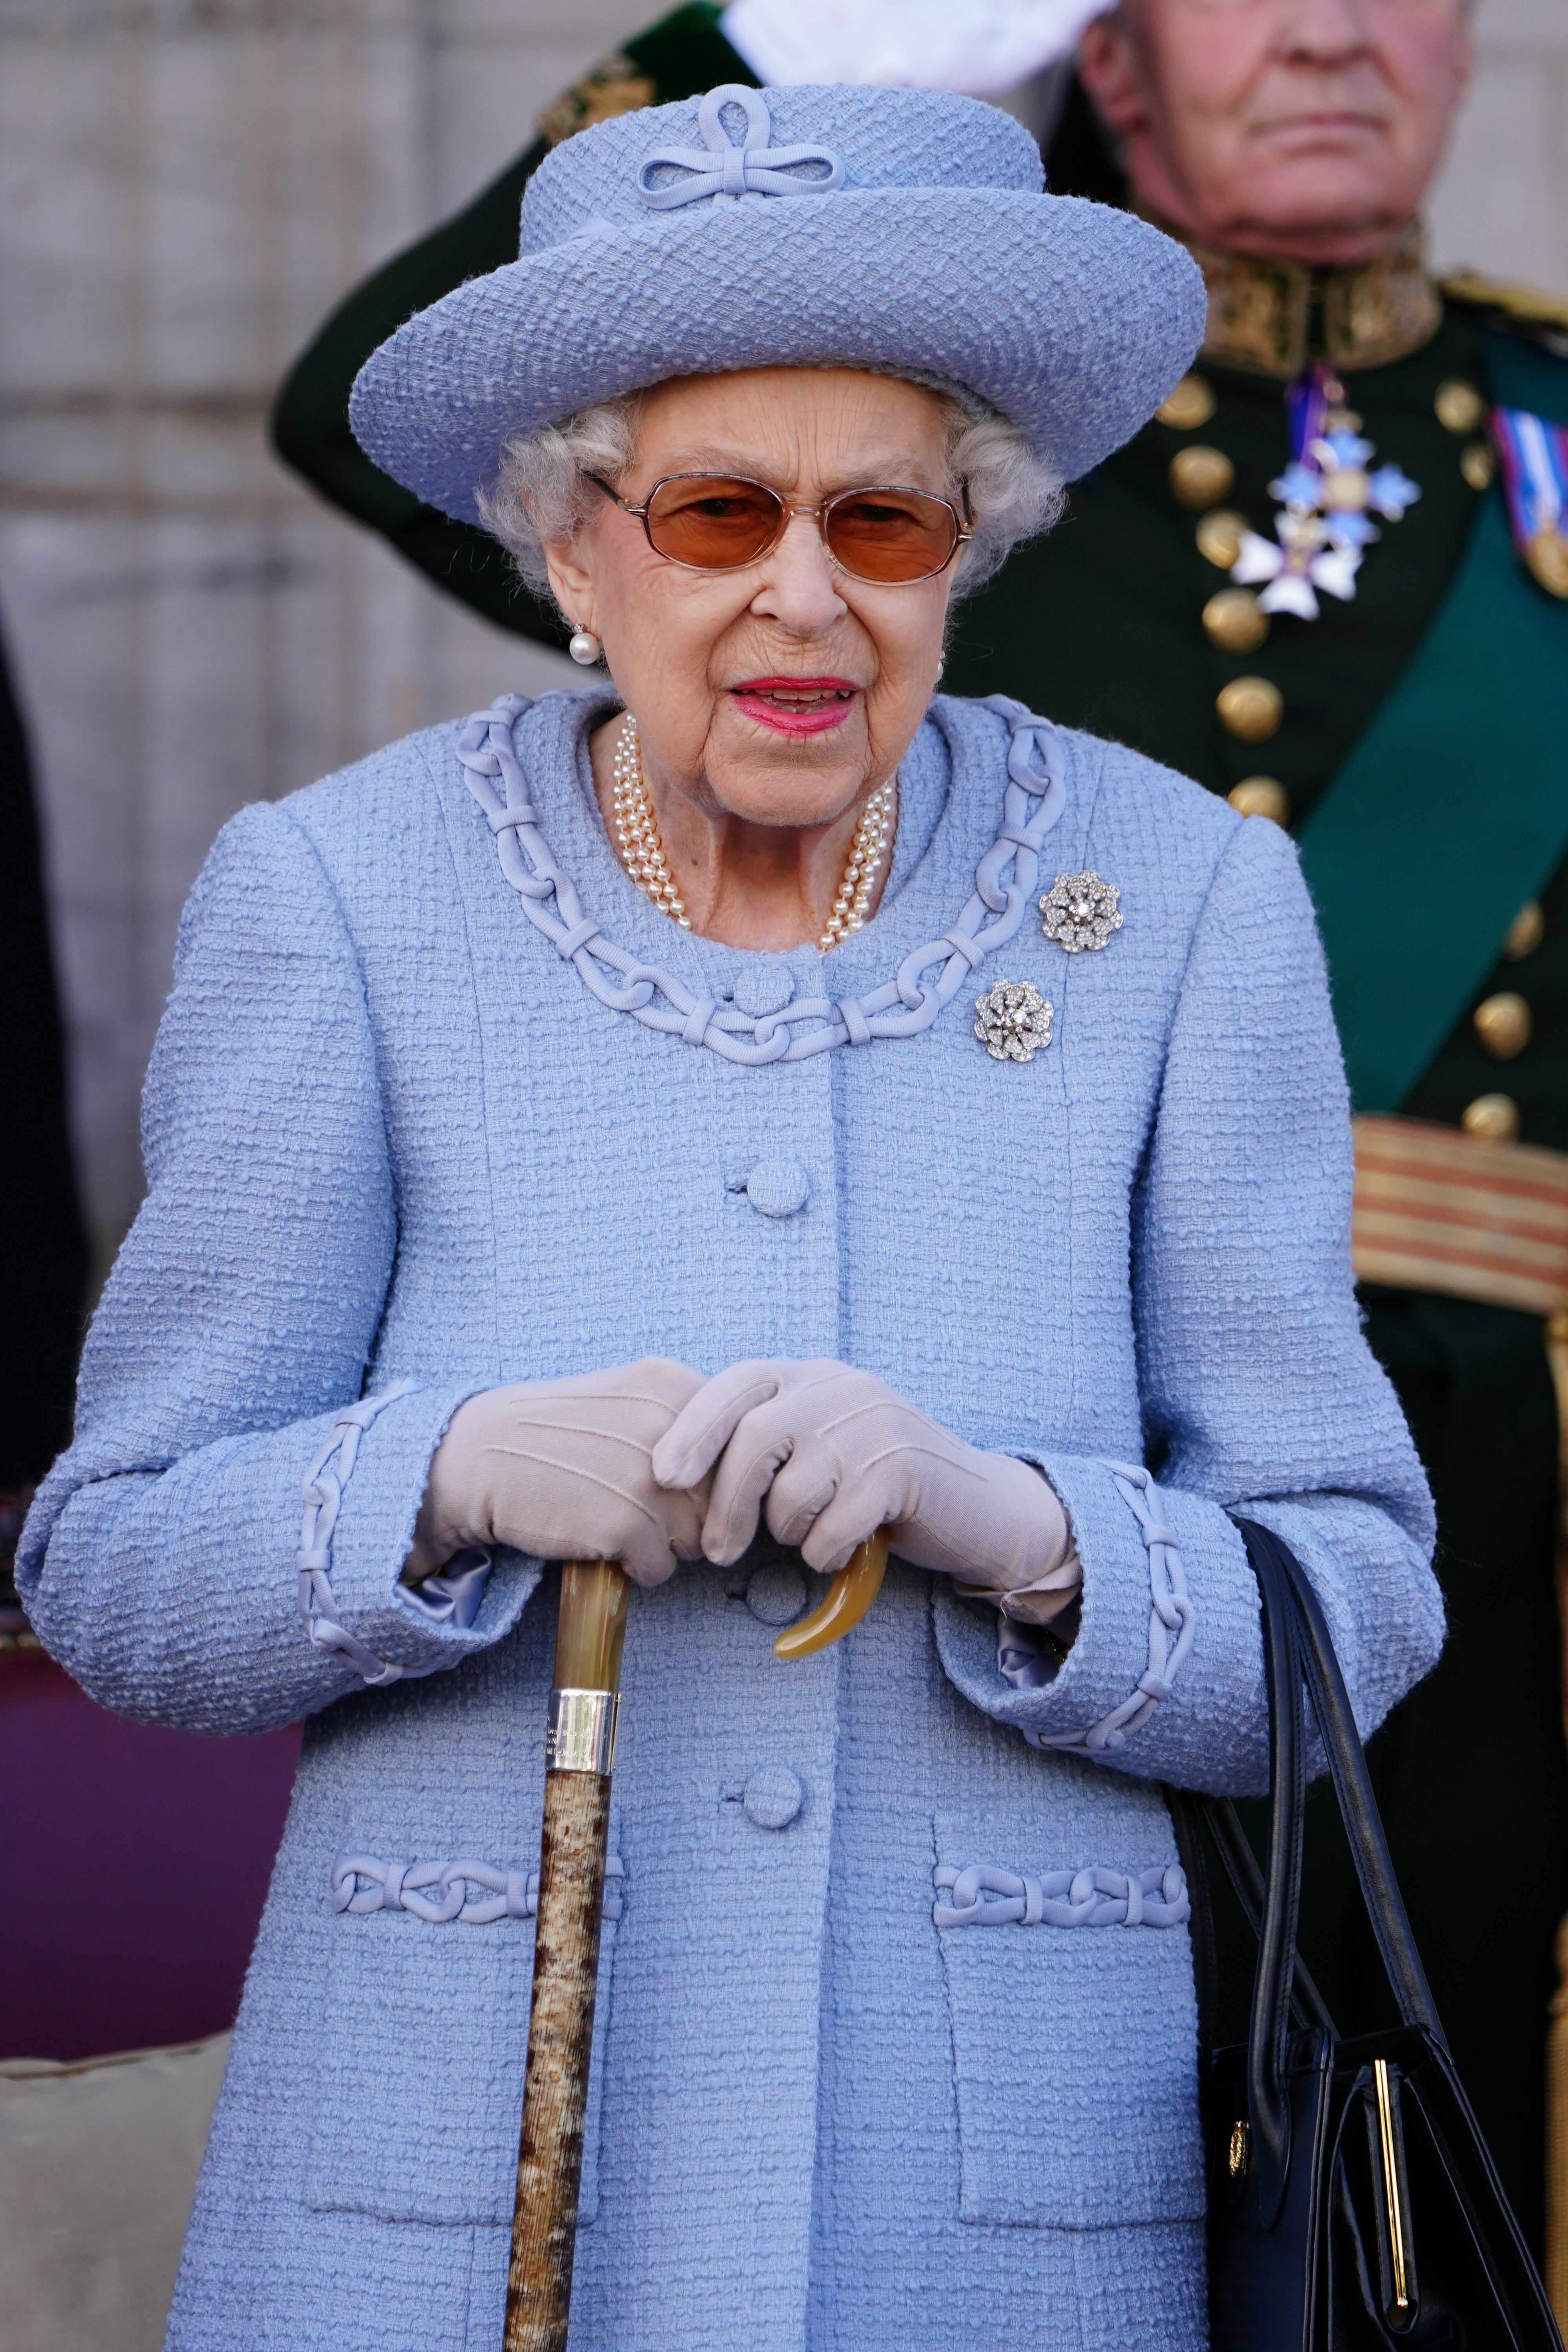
[584,648]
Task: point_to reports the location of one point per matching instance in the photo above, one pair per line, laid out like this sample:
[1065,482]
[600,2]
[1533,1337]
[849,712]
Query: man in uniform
[1328,582]
[1306,584]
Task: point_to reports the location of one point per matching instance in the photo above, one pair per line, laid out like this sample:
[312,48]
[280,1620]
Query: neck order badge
[1328,497]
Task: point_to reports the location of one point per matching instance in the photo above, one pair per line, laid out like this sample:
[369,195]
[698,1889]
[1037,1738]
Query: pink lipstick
[796,705]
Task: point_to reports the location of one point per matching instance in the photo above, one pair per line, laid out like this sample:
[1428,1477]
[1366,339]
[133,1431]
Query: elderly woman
[698,1121]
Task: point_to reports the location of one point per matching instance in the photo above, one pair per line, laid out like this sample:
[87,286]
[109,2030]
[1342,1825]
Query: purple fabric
[137,1860]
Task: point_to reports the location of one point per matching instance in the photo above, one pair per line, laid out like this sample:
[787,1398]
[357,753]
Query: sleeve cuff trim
[323,1492]
[1172,1623]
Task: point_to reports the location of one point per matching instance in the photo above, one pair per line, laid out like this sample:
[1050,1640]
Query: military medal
[1535,458]
[1329,495]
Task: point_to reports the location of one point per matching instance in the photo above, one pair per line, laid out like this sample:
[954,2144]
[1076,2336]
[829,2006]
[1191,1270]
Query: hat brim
[1072,319]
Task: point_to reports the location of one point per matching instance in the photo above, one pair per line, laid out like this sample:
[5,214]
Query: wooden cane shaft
[590,1631]
[559,2043]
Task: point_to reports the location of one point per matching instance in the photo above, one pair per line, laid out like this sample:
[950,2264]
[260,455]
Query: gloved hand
[836,1455]
[562,1469]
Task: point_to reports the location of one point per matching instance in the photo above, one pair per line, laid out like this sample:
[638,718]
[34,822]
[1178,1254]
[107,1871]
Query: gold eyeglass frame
[962,523]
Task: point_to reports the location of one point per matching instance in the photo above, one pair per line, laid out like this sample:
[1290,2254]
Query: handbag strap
[1298,1647]
[1268,2098]
[1230,1841]
[1358,1806]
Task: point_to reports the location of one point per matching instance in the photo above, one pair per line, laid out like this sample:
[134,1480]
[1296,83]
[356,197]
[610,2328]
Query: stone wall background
[186,186]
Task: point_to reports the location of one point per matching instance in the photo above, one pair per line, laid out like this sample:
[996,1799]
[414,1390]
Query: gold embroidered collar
[1273,317]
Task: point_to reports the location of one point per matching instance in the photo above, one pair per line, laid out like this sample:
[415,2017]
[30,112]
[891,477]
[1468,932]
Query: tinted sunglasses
[721,523]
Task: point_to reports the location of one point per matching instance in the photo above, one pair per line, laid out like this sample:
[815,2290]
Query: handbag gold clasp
[1399,2308]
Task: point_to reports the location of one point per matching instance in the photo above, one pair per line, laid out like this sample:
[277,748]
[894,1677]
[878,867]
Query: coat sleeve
[1260,1397]
[161,1560]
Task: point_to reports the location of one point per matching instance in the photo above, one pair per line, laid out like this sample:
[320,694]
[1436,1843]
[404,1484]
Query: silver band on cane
[580,1731]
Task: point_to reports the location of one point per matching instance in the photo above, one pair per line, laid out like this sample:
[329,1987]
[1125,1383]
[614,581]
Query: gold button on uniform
[1251,708]
[1200,476]
[1494,1117]
[1219,537]
[1192,403]
[1234,621]
[1502,1025]
[1546,554]
[1525,932]
[1477,464]
[1460,406]
[1260,797]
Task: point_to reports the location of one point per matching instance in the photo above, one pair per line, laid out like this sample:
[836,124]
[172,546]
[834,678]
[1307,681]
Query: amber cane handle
[849,1596]
[579,1757]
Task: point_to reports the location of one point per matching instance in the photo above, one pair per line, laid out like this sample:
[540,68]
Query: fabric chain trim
[323,1492]
[902,1007]
[1170,1613]
[503,1893]
[1091,1897]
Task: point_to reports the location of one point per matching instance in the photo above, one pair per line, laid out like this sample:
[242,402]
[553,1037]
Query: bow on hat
[720,168]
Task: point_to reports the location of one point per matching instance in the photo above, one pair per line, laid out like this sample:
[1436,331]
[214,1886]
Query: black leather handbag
[1354,2206]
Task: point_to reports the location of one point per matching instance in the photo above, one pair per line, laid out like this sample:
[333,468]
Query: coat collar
[980,787]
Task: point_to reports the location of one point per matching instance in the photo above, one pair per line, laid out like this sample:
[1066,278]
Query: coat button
[772,1797]
[776,1595]
[764,987]
[777,1188]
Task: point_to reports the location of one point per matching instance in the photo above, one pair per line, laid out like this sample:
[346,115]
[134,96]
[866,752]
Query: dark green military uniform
[1101,624]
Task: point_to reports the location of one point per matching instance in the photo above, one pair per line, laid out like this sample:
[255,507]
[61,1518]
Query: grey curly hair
[542,495]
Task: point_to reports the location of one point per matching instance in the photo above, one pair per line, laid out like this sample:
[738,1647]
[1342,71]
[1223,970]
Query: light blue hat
[901,230]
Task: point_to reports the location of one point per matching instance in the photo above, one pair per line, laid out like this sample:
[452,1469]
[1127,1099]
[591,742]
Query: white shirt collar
[973,46]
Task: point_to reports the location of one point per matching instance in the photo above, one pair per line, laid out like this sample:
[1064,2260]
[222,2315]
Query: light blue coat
[391,1135]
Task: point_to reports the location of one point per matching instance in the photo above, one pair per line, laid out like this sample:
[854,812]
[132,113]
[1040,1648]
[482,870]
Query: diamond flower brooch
[1080,911]
[1013,1020]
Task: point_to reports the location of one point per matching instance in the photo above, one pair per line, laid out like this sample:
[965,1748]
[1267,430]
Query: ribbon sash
[1452,810]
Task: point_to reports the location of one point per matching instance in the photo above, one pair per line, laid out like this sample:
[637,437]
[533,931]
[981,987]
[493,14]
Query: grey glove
[835,1454]
[564,1469]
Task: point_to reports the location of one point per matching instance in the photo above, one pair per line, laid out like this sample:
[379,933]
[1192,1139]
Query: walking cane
[579,1758]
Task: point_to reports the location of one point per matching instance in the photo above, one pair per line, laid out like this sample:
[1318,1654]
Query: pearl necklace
[642,850]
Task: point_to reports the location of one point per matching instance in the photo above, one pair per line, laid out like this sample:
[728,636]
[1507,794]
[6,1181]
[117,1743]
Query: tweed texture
[390,1136]
[939,254]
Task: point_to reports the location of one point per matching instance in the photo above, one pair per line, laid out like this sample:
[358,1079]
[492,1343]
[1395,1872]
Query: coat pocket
[1069,1987]
[420,2054]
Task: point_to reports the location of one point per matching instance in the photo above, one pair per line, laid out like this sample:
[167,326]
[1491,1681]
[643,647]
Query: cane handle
[849,1596]
[590,1625]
